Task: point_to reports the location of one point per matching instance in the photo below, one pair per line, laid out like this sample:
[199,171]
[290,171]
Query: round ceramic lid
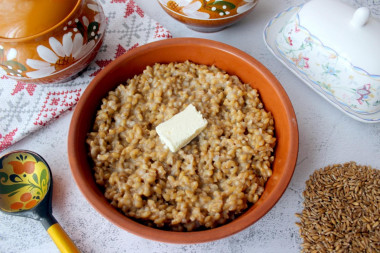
[354,34]
[24,18]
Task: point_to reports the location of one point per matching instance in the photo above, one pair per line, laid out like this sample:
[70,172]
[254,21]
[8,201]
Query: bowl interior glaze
[24,18]
[200,51]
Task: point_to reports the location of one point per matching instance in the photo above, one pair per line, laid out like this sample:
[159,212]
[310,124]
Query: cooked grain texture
[341,210]
[206,183]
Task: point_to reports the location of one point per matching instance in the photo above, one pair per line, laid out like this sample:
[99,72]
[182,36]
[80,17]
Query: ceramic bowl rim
[40,34]
[233,227]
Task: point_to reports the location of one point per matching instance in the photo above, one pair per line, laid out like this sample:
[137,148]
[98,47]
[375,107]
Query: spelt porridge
[207,183]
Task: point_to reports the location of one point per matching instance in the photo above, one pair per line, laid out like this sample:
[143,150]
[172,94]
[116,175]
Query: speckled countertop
[326,136]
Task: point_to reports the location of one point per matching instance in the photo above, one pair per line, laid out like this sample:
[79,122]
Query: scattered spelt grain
[341,210]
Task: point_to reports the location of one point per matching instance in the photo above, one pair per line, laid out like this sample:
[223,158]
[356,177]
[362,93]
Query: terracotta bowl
[49,41]
[207,15]
[200,51]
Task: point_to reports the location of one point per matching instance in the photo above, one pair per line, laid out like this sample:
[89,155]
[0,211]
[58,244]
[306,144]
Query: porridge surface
[206,183]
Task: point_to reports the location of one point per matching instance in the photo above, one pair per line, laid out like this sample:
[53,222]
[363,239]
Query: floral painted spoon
[26,187]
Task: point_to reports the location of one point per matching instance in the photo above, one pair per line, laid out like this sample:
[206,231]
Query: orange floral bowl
[208,15]
[49,41]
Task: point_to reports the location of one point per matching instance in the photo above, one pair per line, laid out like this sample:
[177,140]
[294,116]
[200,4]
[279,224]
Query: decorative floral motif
[246,6]
[187,7]
[289,41]
[24,181]
[78,38]
[76,44]
[60,55]
[333,74]
[301,61]
[330,70]
[364,94]
[209,9]
[9,63]
[96,27]
[19,167]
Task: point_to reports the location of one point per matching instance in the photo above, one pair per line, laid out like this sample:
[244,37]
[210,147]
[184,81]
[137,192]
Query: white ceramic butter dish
[334,48]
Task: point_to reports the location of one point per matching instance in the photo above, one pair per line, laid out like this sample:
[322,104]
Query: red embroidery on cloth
[30,88]
[133,7]
[96,72]
[19,87]
[4,77]
[6,141]
[140,11]
[101,64]
[56,103]
[161,32]
[119,51]
[134,46]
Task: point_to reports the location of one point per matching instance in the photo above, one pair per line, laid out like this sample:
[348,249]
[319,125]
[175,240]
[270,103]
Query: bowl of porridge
[221,180]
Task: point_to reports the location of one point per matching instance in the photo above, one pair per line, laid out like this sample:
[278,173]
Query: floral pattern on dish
[77,43]
[209,9]
[9,63]
[59,55]
[24,181]
[351,86]
[57,50]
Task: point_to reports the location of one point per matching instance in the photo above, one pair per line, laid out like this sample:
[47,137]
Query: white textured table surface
[327,136]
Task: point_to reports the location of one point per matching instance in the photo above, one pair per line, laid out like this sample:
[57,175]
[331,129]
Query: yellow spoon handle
[61,239]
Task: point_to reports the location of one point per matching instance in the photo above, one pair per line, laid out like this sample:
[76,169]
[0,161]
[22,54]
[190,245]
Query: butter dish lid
[352,33]
[24,18]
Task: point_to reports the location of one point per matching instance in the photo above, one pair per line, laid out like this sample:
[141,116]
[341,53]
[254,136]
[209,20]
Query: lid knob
[360,17]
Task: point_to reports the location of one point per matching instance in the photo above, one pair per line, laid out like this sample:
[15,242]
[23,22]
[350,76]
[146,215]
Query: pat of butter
[179,130]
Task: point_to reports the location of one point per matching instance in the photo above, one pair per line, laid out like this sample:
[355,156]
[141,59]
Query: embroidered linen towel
[26,107]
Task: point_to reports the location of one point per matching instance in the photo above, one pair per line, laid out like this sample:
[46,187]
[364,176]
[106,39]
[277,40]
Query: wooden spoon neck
[48,220]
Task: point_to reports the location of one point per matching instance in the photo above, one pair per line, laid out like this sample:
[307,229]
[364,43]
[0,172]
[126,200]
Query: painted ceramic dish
[200,51]
[341,69]
[208,15]
[55,46]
